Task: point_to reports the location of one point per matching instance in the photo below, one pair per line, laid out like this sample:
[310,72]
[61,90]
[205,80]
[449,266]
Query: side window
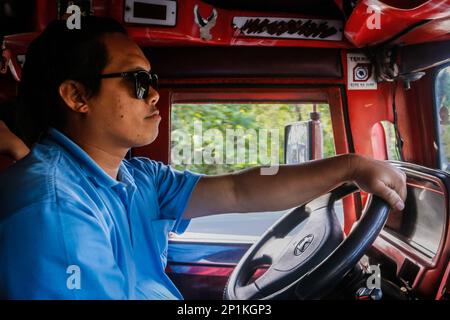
[217,138]
[442,91]
[392,150]
[221,138]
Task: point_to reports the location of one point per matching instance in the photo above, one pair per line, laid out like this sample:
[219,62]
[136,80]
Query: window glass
[442,87]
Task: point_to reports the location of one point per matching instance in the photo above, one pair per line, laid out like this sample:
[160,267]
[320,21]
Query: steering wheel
[307,251]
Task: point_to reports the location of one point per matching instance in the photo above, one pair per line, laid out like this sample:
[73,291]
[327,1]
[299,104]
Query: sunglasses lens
[144,81]
[142,85]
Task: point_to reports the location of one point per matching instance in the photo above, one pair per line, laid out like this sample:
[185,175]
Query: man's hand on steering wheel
[309,261]
[381,179]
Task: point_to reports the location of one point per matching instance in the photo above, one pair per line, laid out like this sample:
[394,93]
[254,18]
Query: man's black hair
[56,55]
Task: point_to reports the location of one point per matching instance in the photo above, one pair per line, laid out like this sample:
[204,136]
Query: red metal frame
[187,32]
[367,108]
[396,17]
[444,286]
[378,139]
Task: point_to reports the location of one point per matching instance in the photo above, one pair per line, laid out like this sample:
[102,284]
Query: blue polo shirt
[70,231]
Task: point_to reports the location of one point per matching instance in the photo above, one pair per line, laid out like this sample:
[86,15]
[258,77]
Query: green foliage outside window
[443,105]
[247,116]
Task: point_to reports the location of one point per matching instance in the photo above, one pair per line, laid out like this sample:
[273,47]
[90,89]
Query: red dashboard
[414,243]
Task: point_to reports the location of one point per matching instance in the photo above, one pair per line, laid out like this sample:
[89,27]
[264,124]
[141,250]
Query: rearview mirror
[303,140]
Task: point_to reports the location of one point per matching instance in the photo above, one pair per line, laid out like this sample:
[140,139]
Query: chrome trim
[205,238]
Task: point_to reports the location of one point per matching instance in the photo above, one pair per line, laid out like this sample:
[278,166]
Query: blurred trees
[443,105]
[246,120]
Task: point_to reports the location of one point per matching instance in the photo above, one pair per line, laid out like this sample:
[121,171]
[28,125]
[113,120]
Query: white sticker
[291,28]
[360,72]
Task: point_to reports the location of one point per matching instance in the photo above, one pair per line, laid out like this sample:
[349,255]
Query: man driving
[75,206]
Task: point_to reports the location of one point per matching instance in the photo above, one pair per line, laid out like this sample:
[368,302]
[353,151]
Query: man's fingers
[390,196]
[384,180]
[403,188]
[400,188]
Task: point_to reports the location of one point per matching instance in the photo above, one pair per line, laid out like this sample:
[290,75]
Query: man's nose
[153,97]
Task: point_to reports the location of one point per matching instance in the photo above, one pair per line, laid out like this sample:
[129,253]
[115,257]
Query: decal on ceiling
[205,24]
[267,27]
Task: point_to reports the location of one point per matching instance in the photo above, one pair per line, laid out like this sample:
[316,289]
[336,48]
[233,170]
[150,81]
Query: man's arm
[10,144]
[249,191]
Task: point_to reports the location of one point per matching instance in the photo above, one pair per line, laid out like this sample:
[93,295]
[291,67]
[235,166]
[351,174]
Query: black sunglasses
[143,81]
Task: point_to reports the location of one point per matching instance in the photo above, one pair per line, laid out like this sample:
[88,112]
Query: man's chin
[148,140]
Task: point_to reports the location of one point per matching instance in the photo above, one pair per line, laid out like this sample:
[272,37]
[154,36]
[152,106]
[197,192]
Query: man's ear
[74,95]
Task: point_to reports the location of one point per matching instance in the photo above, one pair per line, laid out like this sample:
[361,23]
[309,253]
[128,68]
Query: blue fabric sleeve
[174,190]
[52,249]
